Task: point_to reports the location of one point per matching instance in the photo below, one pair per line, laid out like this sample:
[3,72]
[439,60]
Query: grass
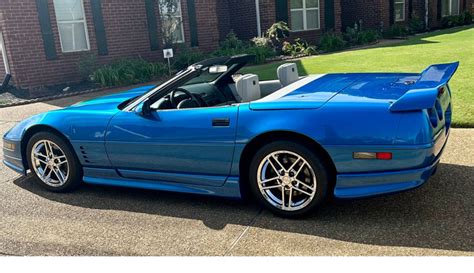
[412,55]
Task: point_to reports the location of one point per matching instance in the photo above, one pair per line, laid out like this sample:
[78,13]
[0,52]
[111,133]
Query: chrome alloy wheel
[50,163]
[286,180]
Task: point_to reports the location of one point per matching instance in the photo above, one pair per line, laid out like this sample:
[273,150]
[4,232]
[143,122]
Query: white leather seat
[288,74]
[248,88]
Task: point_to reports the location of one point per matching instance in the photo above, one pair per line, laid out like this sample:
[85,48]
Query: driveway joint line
[244,232]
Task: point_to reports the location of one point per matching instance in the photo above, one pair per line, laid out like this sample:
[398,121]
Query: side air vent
[84,154]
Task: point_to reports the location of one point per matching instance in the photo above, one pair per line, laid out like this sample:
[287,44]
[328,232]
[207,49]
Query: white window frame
[450,8]
[84,21]
[305,22]
[180,16]
[395,3]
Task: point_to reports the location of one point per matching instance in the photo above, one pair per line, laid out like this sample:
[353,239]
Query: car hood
[314,91]
[110,102]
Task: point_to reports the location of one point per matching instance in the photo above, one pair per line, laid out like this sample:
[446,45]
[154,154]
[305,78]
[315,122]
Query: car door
[191,146]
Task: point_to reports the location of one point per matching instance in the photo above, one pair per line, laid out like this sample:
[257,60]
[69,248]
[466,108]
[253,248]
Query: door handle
[220,122]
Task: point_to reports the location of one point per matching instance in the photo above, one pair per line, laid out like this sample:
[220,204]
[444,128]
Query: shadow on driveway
[438,215]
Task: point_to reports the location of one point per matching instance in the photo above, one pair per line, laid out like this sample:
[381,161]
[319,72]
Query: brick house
[45,39]
[381,14]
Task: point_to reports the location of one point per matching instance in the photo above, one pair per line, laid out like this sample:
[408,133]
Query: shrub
[276,34]
[331,41]
[127,72]
[415,24]
[187,56]
[298,48]
[467,17]
[87,65]
[396,31]
[232,45]
[353,36]
[452,21]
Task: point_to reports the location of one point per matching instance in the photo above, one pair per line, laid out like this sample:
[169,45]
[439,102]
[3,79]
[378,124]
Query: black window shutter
[439,9]
[46,30]
[392,11]
[99,27]
[151,21]
[193,23]
[282,10]
[410,9]
[329,14]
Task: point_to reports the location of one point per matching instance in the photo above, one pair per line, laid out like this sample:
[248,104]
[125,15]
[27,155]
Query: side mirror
[144,109]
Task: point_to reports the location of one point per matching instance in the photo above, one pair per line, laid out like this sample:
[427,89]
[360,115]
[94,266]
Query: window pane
[73,36]
[399,12]
[174,26]
[68,10]
[296,4]
[80,36]
[454,7]
[444,7]
[170,7]
[312,3]
[297,20]
[312,19]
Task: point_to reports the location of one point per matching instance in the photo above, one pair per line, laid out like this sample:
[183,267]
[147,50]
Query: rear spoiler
[425,90]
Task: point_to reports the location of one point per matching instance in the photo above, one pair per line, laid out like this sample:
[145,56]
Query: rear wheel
[288,178]
[53,162]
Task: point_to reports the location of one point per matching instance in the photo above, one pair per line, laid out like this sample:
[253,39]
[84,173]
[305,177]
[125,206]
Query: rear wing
[425,90]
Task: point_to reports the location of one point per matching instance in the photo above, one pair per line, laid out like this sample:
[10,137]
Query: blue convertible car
[291,142]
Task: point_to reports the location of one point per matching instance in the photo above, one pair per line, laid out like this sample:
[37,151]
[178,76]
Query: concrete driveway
[436,219]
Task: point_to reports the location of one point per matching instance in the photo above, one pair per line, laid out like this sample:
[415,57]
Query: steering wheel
[188,94]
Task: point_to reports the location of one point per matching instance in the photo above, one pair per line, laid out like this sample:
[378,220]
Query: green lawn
[412,55]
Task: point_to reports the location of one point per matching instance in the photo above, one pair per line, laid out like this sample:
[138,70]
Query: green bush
[467,17]
[415,24]
[331,41]
[232,45]
[87,65]
[128,71]
[396,31]
[298,48]
[353,36]
[187,56]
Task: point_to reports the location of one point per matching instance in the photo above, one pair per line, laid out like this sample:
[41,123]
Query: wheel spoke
[282,197]
[273,166]
[271,187]
[276,159]
[49,148]
[61,160]
[269,180]
[38,154]
[302,191]
[48,175]
[59,175]
[294,163]
[290,197]
[304,184]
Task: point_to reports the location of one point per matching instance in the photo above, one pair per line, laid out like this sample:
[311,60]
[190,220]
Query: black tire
[74,178]
[315,161]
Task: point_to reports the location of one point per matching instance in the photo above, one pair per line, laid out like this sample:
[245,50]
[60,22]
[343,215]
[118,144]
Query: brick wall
[126,31]
[373,13]
[243,20]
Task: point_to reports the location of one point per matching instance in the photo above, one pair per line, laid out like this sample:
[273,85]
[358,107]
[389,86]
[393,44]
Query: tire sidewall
[75,169]
[313,159]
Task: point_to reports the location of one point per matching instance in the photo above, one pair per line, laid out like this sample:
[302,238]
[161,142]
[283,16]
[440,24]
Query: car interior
[225,88]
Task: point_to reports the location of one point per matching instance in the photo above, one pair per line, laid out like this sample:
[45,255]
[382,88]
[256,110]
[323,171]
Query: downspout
[8,76]
[4,54]
[427,13]
[257,11]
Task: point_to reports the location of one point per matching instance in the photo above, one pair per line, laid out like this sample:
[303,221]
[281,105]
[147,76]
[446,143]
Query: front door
[192,146]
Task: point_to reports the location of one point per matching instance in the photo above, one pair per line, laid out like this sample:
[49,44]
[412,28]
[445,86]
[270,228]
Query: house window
[399,10]
[449,7]
[72,25]
[305,15]
[172,20]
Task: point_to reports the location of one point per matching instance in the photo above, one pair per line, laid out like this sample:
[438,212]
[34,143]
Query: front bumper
[357,185]
[12,157]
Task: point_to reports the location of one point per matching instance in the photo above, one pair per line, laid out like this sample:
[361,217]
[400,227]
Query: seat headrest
[288,74]
[248,88]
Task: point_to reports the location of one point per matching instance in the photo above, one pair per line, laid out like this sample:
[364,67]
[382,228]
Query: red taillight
[384,156]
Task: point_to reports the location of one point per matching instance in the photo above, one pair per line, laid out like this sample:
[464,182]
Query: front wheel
[288,178]
[53,162]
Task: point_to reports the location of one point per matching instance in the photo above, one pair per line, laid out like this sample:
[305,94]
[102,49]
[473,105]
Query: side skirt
[110,177]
